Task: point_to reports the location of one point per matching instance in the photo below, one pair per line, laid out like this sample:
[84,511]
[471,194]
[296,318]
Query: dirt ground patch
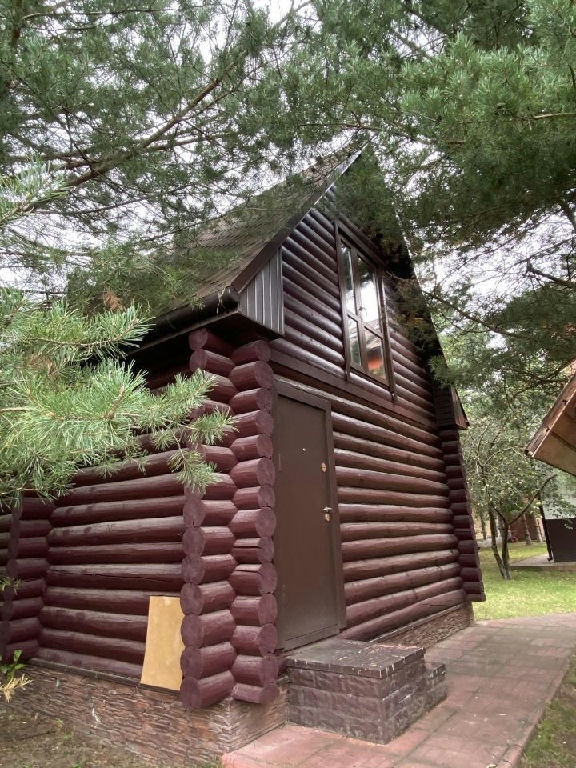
[37,741]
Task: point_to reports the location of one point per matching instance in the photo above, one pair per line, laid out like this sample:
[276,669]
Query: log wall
[228,631]
[23,558]
[407,552]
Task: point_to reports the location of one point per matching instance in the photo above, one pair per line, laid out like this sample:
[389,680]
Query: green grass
[554,743]
[529,592]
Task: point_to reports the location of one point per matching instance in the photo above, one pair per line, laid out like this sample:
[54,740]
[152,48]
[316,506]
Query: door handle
[327,513]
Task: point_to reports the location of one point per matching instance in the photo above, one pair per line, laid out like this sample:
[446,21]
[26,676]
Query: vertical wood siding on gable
[261,300]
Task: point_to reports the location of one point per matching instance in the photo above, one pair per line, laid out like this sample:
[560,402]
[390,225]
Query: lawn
[529,592]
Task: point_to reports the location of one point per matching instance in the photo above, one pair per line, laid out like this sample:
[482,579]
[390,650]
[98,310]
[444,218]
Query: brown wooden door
[309,578]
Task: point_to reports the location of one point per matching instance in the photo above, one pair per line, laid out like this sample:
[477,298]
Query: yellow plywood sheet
[163,644]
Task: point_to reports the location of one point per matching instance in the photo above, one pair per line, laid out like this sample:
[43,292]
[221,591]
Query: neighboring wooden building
[341,509]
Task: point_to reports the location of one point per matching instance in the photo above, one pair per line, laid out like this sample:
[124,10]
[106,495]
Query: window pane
[368,293]
[355,358]
[375,355]
[348,278]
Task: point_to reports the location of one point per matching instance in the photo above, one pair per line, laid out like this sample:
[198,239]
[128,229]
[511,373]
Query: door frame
[293,392]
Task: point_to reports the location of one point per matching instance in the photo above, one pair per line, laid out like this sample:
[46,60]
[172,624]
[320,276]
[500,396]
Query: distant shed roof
[555,441]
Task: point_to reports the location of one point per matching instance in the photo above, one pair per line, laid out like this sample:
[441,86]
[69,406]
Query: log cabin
[340,515]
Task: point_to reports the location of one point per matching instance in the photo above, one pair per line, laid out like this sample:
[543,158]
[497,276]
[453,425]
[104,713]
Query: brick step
[364,690]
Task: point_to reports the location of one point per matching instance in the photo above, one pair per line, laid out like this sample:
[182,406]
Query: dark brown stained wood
[205,339]
[27,649]
[255,641]
[94,663]
[23,548]
[366,589]
[318,349]
[143,487]
[379,496]
[208,629]
[364,460]
[365,531]
[295,273]
[154,464]
[254,579]
[297,313]
[208,540]
[26,570]
[255,611]
[256,694]
[254,498]
[200,512]
[295,354]
[252,352]
[302,301]
[253,423]
[380,606]
[370,629]
[379,513]
[20,630]
[376,567]
[201,570]
[252,375]
[95,622]
[252,400]
[362,550]
[254,472]
[36,509]
[205,598]
[252,551]
[203,693]
[93,645]
[22,608]
[350,426]
[27,589]
[132,602]
[368,478]
[254,670]
[152,552]
[142,577]
[212,362]
[222,488]
[161,529]
[420,464]
[251,523]
[135,509]
[253,447]
[205,662]
[33,528]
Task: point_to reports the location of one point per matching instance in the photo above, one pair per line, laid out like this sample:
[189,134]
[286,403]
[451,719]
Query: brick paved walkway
[500,676]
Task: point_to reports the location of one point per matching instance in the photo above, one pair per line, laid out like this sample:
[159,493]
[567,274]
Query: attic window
[364,313]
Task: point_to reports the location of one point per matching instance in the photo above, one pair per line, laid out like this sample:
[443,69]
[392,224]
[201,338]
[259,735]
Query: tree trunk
[494,539]
[527,537]
[505,570]
[483,527]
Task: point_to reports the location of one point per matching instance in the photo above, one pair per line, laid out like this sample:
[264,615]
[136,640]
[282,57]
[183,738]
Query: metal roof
[555,441]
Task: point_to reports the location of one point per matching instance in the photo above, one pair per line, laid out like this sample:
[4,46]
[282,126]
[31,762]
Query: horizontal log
[198,694]
[294,354]
[254,670]
[208,540]
[5,522]
[164,578]
[252,376]
[204,360]
[107,511]
[26,650]
[296,310]
[208,629]
[375,548]
[259,550]
[25,589]
[376,627]
[26,570]
[152,465]
[299,262]
[252,400]
[254,351]
[36,509]
[253,447]
[253,423]
[73,660]
[252,473]
[95,622]
[357,477]
[256,694]
[222,389]
[140,488]
[223,488]
[376,567]
[202,512]
[295,287]
[318,348]
[358,613]
[22,609]
[253,523]
[254,498]
[359,591]
[205,339]
[255,641]
[386,452]
[362,531]
[255,611]
[205,662]
[33,528]
[155,552]
[24,548]
[323,253]
[162,529]
[380,513]
[258,579]
[361,458]
[206,598]
[388,497]
[124,601]
[366,430]
[20,630]
[201,570]
[93,645]
[220,456]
